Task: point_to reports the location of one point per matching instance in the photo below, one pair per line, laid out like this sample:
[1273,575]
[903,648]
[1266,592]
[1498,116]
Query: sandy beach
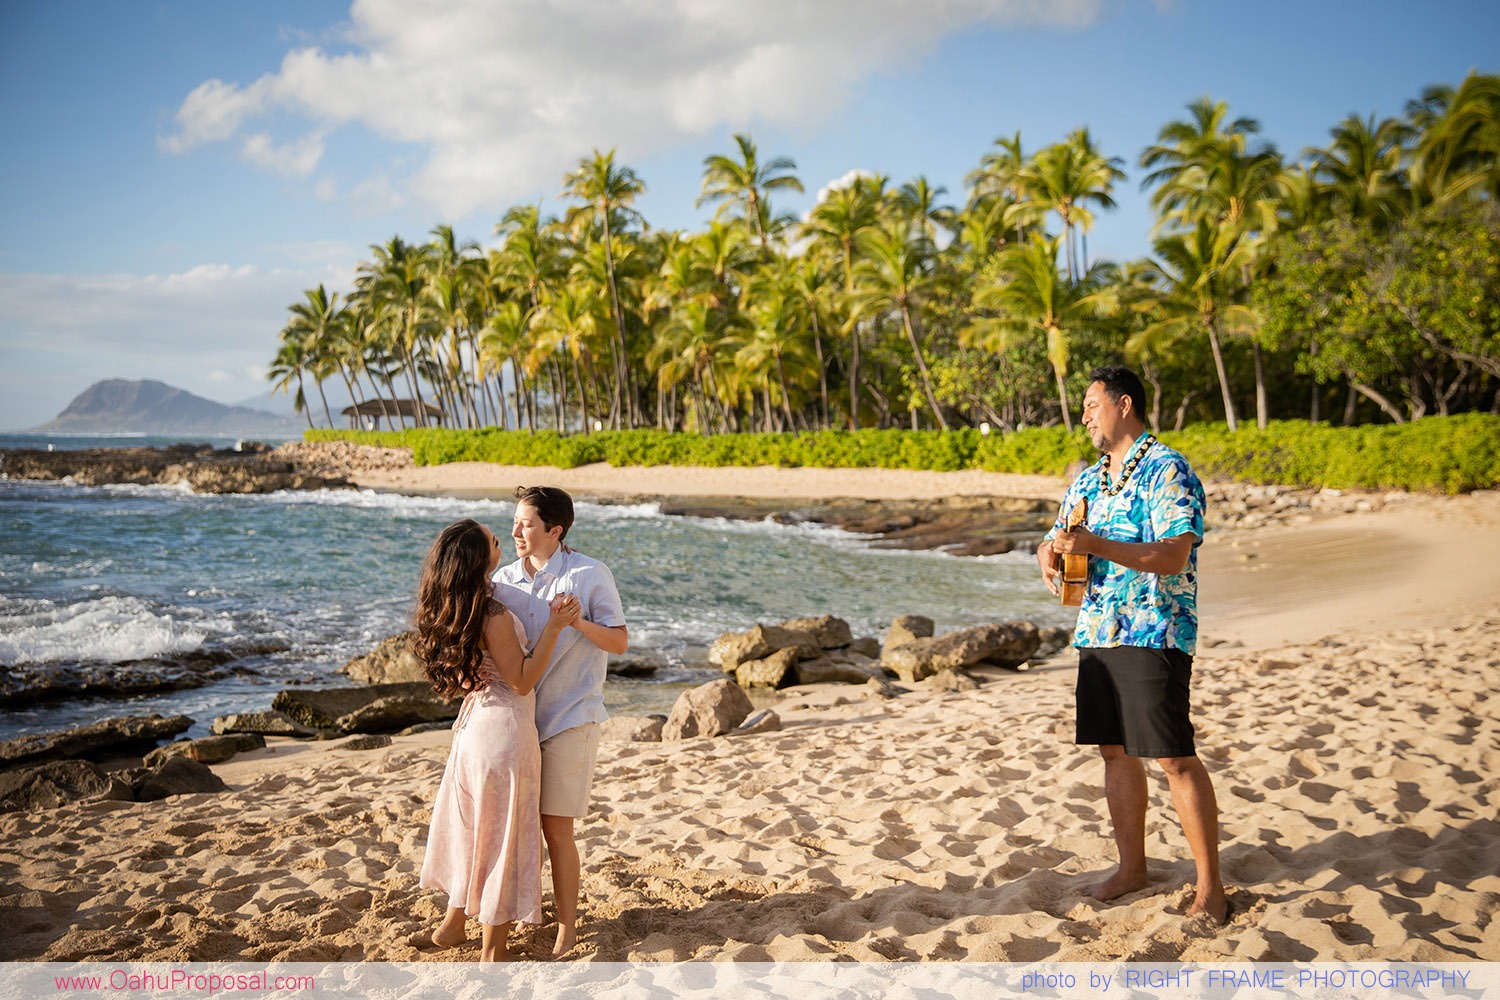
[1343,698]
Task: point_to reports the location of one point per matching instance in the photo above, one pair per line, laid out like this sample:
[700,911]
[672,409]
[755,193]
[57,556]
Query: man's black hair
[1121,381]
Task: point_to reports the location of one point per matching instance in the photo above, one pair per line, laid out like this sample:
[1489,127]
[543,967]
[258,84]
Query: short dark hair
[552,505]
[1121,381]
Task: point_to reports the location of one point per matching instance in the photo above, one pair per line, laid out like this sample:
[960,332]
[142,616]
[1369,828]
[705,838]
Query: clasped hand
[565,610]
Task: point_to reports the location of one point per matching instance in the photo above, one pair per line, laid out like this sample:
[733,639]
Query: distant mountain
[118,406]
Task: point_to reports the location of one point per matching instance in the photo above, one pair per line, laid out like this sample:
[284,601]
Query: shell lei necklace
[1128,470]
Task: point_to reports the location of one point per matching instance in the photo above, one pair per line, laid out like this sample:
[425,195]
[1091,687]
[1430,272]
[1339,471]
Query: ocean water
[78,442]
[283,588]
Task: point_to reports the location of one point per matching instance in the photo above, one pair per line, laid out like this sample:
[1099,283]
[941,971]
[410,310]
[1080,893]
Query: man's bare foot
[1119,884]
[566,938]
[1213,904]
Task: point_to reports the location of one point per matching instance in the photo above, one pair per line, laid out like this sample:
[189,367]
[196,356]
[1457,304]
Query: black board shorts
[1137,698]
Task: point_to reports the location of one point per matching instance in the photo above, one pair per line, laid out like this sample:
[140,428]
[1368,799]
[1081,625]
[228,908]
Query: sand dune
[1357,769]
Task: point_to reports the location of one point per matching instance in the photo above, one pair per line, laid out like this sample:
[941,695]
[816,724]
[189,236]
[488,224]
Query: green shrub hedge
[1446,454]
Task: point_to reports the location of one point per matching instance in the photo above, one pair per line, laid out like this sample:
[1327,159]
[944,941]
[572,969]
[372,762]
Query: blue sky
[176,172]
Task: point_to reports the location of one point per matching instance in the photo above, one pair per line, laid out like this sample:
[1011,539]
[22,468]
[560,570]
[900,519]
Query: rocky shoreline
[391,694]
[958,525]
[124,759]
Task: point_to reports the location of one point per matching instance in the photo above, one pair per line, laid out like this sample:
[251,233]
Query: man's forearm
[611,639]
[1164,558]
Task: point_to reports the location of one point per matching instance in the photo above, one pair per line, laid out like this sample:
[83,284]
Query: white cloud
[505,98]
[210,330]
[293,159]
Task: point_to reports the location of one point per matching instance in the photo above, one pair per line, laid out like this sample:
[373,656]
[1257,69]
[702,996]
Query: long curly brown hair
[453,599]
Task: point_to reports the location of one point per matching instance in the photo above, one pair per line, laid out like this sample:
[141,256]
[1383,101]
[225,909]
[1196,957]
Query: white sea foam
[372,500]
[108,629]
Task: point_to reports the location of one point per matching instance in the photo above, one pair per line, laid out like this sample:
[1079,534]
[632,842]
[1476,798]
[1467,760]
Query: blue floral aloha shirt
[1126,607]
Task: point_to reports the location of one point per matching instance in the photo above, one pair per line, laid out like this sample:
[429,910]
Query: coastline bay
[276,590]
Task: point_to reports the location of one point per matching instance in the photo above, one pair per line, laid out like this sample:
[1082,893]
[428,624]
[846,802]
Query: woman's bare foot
[1119,884]
[494,942]
[451,932]
[498,953]
[566,938]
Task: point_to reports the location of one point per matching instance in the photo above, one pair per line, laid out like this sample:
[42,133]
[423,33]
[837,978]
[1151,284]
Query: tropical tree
[606,190]
[1458,154]
[394,288]
[893,277]
[1029,296]
[833,227]
[745,184]
[1070,178]
[1196,278]
[1002,171]
[285,371]
[1361,173]
[315,329]
[1210,170]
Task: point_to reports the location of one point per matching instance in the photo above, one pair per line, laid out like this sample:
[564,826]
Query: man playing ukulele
[1138,628]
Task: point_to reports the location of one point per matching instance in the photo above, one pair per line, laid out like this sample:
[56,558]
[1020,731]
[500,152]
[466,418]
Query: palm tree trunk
[822,368]
[1213,343]
[916,350]
[1062,399]
[559,394]
[302,395]
[622,371]
[854,339]
[786,397]
[1262,412]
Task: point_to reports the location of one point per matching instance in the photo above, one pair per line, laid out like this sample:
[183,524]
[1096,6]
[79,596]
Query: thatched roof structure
[392,408]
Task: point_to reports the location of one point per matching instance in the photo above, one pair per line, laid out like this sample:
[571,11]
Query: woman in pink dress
[484,846]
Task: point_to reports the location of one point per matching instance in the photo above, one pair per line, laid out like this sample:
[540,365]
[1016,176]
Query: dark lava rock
[129,734]
[57,783]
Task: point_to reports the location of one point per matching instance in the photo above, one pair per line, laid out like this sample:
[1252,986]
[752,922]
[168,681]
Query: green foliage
[1444,454]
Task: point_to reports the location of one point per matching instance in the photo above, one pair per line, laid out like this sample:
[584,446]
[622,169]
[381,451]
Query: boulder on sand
[374,708]
[710,709]
[1007,645]
[393,661]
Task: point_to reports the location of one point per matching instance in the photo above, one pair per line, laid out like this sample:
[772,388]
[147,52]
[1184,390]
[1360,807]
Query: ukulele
[1075,566]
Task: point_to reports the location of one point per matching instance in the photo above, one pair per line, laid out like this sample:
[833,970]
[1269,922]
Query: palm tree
[315,329]
[1210,170]
[394,286]
[1197,166]
[507,338]
[917,202]
[605,190]
[1032,296]
[1067,178]
[834,227]
[1361,173]
[776,333]
[1195,274]
[1458,154]
[892,277]
[1001,172]
[285,371]
[808,283]
[747,184]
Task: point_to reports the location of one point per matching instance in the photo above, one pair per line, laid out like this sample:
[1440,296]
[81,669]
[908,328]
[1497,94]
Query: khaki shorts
[568,770]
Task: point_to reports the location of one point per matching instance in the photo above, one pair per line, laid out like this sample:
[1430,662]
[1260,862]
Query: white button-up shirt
[571,692]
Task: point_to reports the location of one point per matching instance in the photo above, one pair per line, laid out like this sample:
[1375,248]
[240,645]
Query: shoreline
[1344,709]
